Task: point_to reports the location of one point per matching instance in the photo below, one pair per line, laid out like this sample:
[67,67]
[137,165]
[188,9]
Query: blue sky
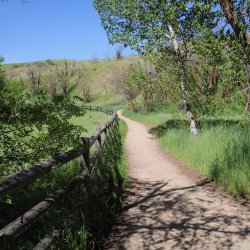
[52,29]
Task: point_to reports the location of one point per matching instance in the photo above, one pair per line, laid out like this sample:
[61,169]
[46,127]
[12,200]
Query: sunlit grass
[90,121]
[152,119]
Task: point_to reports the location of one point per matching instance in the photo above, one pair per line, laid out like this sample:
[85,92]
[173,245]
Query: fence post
[85,168]
[85,157]
[98,142]
[105,132]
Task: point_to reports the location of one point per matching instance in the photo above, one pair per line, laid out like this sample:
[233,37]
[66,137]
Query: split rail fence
[26,177]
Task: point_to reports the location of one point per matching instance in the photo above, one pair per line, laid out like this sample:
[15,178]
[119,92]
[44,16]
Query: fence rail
[26,177]
[100,109]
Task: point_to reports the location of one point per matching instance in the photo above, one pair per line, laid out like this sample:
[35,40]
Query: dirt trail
[167,209]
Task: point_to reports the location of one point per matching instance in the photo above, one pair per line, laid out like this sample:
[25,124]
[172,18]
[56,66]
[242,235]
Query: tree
[118,52]
[126,81]
[237,14]
[35,78]
[29,123]
[86,90]
[158,25]
[52,84]
[152,25]
[64,75]
[2,74]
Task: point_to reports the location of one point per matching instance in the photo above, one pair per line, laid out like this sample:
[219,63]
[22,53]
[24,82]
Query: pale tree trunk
[185,95]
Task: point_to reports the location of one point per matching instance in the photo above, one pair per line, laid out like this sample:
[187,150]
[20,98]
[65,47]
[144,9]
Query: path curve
[167,209]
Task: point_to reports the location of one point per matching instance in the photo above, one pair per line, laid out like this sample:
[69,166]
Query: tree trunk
[247,107]
[132,105]
[233,19]
[191,118]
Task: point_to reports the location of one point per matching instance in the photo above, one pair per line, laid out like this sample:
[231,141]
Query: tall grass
[221,153]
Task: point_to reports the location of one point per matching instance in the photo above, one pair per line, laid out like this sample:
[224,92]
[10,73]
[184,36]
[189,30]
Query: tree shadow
[184,124]
[159,216]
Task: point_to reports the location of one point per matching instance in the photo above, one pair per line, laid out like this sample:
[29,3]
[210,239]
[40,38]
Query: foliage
[95,207]
[144,25]
[77,239]
[126,83]
[89,212]
[217,79]
[146,84]
[29,123]
[210,59]
[105,189]
[2,74]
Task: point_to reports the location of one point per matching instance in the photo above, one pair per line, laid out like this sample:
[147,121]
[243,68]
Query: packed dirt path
[167,209]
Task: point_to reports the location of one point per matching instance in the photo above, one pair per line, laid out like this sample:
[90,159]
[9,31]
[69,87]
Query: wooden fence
[100,109]
[26,177]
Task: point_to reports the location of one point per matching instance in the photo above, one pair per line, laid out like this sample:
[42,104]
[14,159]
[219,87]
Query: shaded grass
[101,204]
[221,150]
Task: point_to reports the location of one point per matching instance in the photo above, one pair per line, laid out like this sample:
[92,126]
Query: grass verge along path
[221,151]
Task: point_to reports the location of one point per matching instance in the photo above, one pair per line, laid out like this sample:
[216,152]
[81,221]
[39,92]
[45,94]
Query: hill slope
[97,74]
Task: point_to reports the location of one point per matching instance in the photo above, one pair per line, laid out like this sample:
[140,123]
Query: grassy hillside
[97,74]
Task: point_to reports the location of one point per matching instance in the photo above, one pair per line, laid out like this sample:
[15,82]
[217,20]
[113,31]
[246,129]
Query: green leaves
[34,127]
[143,25]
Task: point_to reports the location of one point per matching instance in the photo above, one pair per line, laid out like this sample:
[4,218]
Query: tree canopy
[144,25]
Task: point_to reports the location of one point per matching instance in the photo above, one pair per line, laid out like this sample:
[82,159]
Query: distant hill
[97,74]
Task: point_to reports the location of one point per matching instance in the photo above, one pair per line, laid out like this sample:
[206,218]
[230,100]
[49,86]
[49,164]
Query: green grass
[102,204]
[221,150]
[151,119]
[91,120]
[123,167]
[221,153]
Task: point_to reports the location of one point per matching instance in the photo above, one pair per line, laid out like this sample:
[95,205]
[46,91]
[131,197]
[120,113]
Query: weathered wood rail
[100,109]
[26,177]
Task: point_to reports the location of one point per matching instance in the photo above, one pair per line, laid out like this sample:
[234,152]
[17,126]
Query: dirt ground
[169,207]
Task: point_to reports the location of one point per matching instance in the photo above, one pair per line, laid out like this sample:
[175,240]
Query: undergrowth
[85,217]
[102,201]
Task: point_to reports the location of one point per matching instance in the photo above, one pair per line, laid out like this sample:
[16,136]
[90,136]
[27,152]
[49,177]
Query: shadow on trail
[177,218]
